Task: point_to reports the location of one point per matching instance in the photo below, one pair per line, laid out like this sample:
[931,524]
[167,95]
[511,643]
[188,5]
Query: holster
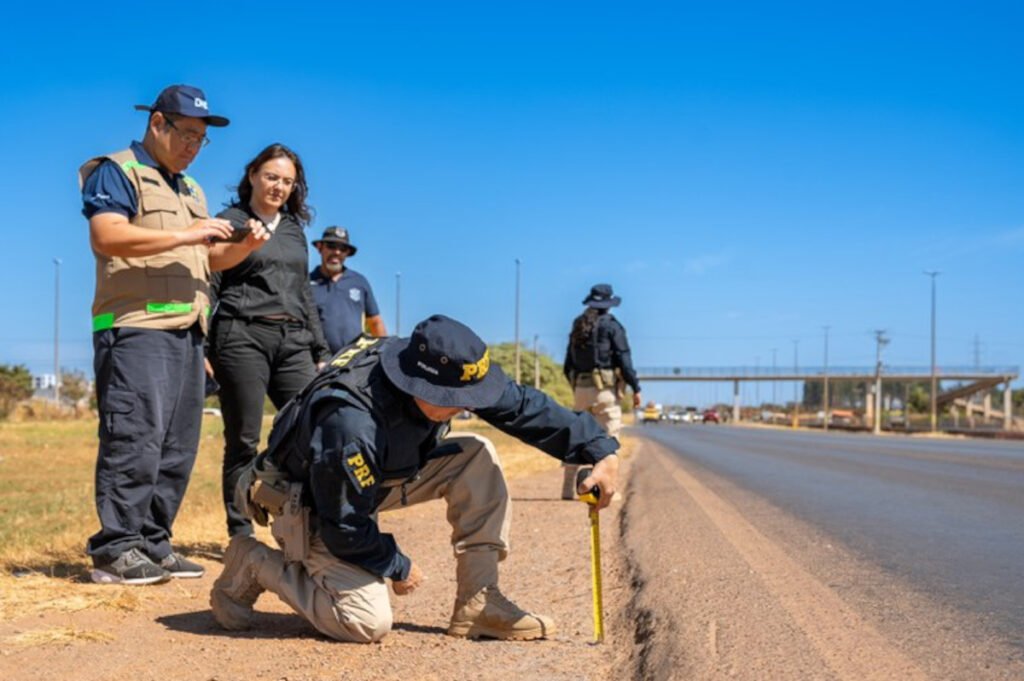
[290,527]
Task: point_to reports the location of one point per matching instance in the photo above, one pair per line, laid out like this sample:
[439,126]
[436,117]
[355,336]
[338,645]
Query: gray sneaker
[131,567]
[181,567]
[236,590]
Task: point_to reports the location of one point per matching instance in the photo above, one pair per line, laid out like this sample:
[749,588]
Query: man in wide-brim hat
[368,435]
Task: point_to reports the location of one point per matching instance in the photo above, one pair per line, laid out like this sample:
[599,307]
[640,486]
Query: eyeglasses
[191,139]
[273,178]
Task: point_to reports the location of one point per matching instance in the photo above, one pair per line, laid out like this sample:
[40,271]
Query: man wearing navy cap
[369,434]
[343,296]
[155,246]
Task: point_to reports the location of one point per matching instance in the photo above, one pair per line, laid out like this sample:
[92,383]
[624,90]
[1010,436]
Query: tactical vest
[596,353]
[169,290]
[355,377]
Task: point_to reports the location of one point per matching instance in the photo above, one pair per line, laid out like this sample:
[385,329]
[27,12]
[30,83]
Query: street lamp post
[796,383]
[880,341]
[56,331]
[775,398]
[518,358]
[824,395]
[933,406]
[536,363]
[398,303]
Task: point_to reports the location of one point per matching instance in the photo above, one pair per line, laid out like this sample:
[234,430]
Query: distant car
[652,414]
[711,416]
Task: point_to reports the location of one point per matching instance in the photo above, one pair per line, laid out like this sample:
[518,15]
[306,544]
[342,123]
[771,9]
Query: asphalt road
[946,515]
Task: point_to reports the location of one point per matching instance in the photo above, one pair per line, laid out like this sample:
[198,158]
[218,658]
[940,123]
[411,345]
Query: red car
[711,416]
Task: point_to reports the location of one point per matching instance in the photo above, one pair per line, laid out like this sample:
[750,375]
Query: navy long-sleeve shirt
[345,494]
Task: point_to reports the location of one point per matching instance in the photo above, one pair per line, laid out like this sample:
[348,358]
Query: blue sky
[743,174]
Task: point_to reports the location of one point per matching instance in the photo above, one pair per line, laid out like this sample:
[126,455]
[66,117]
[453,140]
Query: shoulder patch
[358,467]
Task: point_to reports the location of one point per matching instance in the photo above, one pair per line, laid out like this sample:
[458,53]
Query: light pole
[775,399]
[824,396]
[56,331]
[757,383]
[518,359]
[536,363]
[796,383]
[933,406]
[880,341]
[398,303]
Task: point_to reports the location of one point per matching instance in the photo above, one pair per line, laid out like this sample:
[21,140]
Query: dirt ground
[166,632]
[701,581]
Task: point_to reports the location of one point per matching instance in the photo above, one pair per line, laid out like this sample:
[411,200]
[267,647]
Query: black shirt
[272,281]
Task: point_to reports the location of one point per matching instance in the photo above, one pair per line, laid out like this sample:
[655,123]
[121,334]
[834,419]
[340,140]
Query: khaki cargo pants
[347,603]
[603,404]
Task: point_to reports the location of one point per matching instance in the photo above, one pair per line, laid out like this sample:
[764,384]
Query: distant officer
[152,238]
[597,364]
[343,296]
[369,434]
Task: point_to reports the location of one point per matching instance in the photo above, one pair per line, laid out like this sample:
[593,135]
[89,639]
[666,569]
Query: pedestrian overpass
[971,380]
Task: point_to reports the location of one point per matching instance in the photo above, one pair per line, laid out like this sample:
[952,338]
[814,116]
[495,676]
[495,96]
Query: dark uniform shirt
[342,304]
[609,349]
[108,189]
[271,281]
[394,440]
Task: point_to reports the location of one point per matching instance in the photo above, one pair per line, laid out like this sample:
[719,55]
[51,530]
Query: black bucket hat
[601,297]
[336,235]
[444,363]
[184,100]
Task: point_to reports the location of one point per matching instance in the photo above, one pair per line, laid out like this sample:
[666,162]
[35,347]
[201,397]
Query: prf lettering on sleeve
[359,469]
[361,344]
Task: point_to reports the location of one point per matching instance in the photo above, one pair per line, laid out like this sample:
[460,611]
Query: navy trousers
[149,387]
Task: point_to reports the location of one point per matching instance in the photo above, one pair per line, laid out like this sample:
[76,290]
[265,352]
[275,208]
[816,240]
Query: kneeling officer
[369,434]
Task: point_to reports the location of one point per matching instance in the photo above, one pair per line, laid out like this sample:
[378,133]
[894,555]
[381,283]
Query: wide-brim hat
[602,297]
[184,100]
[444,363]
[336,235]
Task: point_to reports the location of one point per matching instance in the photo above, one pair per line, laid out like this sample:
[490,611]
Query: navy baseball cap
[444,363]
[602,297]
[184,100]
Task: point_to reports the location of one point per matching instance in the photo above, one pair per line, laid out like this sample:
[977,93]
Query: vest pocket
[159,211]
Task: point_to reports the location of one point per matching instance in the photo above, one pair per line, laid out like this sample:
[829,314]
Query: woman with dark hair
[598,365]
[266,338]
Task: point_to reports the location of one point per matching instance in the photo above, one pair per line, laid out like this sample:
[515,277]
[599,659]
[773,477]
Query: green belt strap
[173,308]
[101,322]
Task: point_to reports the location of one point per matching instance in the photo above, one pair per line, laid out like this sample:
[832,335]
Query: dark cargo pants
[149,388]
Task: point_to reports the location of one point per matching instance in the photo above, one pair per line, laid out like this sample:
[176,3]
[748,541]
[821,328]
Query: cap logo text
[477,369]
[201,104]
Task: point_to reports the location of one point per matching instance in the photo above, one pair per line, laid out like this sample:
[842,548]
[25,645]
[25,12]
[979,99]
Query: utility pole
[935,381]
[880,341]
[56,331]
[536,363]
[518,358]
[757,383]
[398,303]
[796,383]
[775,371]
[824,392]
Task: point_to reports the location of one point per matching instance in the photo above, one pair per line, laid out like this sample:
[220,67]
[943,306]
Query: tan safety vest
[169,290]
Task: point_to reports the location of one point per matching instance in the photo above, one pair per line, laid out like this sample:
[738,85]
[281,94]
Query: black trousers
[149,386]
[251,360]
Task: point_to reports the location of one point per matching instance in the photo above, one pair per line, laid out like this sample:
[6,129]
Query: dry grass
[47,510]
[61,636]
